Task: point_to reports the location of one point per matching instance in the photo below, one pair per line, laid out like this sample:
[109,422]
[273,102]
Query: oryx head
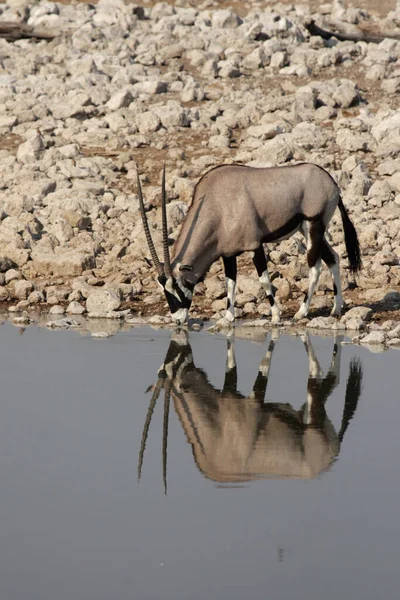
[178,291]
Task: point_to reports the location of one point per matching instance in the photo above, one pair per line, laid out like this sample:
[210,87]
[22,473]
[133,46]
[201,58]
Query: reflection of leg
[314,368]
[260,262]
[230,267]
[260,385]
[331,259]
[334,368]
[320,387]
[314,233]
[230,381]
[314,378]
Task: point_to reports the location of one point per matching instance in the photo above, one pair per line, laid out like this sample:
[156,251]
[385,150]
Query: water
[282,511]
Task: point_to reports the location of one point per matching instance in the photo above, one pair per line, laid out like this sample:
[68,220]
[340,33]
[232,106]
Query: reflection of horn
[353,392]
[149,415]
[167,261]
[150,243]
[165,431]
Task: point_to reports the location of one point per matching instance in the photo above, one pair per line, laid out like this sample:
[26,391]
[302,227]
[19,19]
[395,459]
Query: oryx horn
[167,260]
[150,243]
[167,396]
[149,415]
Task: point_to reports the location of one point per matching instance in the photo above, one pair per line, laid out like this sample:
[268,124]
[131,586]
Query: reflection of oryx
[236,439]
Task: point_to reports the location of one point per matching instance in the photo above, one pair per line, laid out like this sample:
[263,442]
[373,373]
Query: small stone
[322,323]
[136,321]
[358,312]
[100,334]
[36,297]
[102,301]
[22,289]
[374,337]
[57,310]
[75,308]
[119,100]
[354,324]
[12,274]
[22,321]
[62,324]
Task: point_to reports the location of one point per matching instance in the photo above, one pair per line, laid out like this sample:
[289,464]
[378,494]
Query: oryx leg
[331,259]
[260,385]
[314,233]
[231,378]
[315,377]
[320,387]
[230,267]
[260,263]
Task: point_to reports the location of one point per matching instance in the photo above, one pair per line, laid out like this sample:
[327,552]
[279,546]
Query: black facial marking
[271,299]
[178,301]
[187,268]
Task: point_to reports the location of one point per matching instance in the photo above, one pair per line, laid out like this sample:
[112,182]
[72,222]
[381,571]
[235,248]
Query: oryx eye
[186,268]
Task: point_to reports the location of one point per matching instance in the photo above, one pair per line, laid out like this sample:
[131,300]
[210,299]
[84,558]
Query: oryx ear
[186,268]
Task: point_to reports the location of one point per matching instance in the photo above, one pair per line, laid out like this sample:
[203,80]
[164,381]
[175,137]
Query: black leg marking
[305,297]
[317,231]
[271,299]
[259,260]
[334,289]
[326,254]
[230,267]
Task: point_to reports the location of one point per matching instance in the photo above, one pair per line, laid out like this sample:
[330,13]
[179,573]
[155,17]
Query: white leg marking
[266,283]
[231,358]
[305,306]
[338,299]
[314,368]
[180,316]
[307,418]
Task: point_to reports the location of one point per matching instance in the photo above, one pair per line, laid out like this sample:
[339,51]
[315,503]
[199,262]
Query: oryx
[235,209]
[235,438]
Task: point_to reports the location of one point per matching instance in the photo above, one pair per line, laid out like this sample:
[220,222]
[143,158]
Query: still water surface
[277,499]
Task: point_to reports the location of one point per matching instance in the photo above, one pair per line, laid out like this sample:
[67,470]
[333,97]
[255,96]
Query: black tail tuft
[351,240]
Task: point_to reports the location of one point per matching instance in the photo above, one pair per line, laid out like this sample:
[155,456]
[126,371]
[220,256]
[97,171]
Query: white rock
[358,312]
[62,324]
[119,100]
[75,308]
[323,323]
[374,337]
[57,309]
[102,301]
[225,19]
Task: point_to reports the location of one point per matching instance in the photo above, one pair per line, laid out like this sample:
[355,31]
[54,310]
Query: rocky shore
[115,86]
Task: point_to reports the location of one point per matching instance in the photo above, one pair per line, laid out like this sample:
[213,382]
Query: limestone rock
[102,301]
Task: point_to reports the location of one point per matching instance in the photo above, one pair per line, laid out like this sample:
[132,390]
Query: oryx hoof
[299,315]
